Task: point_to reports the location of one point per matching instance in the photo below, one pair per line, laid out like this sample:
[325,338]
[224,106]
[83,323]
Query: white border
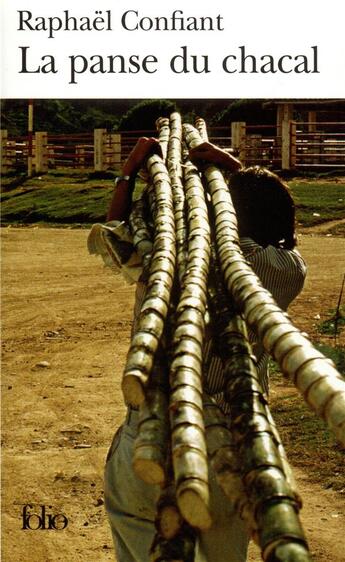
[266,27]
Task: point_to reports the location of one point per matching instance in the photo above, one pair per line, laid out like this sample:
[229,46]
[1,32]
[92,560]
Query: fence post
[293,144]
[80,155]
[99,156]
[285,129]
[311,121]
[288,144]
[254,149]
[41,152]
[238,139]
[284,113]
[4,159]
[116,150]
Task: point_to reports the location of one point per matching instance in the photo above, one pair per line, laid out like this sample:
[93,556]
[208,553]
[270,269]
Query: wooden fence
[295,145]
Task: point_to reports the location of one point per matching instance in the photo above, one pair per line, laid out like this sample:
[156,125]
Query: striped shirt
[282,272]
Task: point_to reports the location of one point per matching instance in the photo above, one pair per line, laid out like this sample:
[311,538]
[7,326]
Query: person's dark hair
[264,207]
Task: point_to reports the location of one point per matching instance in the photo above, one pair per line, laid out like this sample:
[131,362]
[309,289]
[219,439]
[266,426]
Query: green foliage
[251,111]
[57,116]
[72,116]
[334,324]
[336,354]
[14,116]
[83,115]
[144,114]
[95,118]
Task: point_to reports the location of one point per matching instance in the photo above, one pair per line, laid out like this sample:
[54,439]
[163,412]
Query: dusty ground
[62,308]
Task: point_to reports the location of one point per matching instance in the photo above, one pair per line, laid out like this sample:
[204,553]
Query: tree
[143,115]
[58,116]
[251,111]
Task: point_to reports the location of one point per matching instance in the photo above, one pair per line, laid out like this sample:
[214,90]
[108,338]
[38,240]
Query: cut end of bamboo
[133,390]
[193,505]
[170,522]
[149,471]
[285,551]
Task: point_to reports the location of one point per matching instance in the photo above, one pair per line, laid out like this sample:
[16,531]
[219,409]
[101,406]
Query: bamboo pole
[264,474]
[174,165]
[142,235]
[151,448]
[174,539]
[200,125]
[315,376]
[223,454]
[154,310]
[163,128]
[262,468]
[189,454]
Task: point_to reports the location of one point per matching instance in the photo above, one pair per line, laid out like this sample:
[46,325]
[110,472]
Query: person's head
[264,207]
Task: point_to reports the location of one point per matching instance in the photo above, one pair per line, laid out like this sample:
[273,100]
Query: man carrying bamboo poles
[266,229]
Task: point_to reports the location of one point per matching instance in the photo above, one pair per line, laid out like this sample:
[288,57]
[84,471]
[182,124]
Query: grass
[57,199]
[334,324]
[308,442]
[318,201]
[72,196]
[56,205]
[306,438]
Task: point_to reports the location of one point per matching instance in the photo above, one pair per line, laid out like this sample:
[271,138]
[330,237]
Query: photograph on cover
[158,403]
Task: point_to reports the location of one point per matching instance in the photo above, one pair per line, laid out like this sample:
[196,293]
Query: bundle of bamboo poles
[193,267]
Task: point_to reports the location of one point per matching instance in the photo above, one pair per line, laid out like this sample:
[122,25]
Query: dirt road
[66,328]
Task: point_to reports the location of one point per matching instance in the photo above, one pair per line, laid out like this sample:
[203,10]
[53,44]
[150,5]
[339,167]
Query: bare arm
[120,204]
[212,154]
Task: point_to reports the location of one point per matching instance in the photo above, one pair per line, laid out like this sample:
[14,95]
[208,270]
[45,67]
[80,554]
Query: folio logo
[37,517]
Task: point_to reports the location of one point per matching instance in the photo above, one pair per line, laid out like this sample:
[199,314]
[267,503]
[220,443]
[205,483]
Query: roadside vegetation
[60,198]
[54,199]
[308,442]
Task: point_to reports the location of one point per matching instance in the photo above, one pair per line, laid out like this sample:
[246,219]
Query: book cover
[80,83]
